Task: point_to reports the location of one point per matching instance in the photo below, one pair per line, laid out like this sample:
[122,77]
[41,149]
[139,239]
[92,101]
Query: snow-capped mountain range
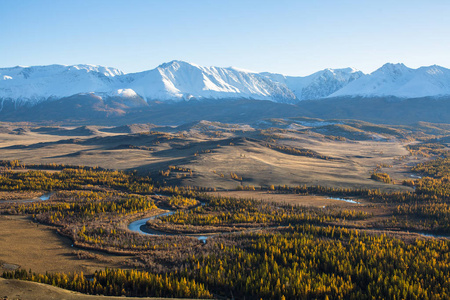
[178,80]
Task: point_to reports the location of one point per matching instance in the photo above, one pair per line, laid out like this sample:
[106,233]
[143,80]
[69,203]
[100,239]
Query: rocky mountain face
[87,92]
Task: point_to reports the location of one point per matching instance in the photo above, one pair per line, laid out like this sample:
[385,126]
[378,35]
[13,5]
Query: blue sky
[289,37]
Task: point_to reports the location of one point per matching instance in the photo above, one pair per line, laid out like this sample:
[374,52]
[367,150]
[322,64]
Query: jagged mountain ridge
[181,80]
[178,80]
[34,84]
[397,80]
[318,85]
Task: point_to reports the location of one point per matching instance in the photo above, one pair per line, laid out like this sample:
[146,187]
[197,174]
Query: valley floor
[265,198]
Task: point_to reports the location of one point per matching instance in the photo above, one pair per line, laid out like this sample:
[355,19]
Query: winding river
[140,227]
[345,200]
[43,197]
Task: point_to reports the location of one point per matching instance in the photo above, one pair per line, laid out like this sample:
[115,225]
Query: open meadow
[183,211]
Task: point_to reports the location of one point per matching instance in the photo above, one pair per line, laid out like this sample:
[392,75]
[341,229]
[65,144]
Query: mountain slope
[176,80]
[182,81]
[397,80]
[173,81]
[318,85]
[35,84]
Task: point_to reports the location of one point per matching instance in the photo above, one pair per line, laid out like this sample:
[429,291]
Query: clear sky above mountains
[290,37]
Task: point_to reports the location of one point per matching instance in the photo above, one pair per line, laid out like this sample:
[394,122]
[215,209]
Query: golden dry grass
[293,199]
[18,196]
[39,248]
[24,290]
[258,165]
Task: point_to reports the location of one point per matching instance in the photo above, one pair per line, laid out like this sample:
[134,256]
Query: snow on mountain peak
[434,70]
[393,66]
[179,80]
[241,70]
[107,71]
[39,83]
[341,71]
[397,80]
[395,70]
[318,85]
[176,64]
